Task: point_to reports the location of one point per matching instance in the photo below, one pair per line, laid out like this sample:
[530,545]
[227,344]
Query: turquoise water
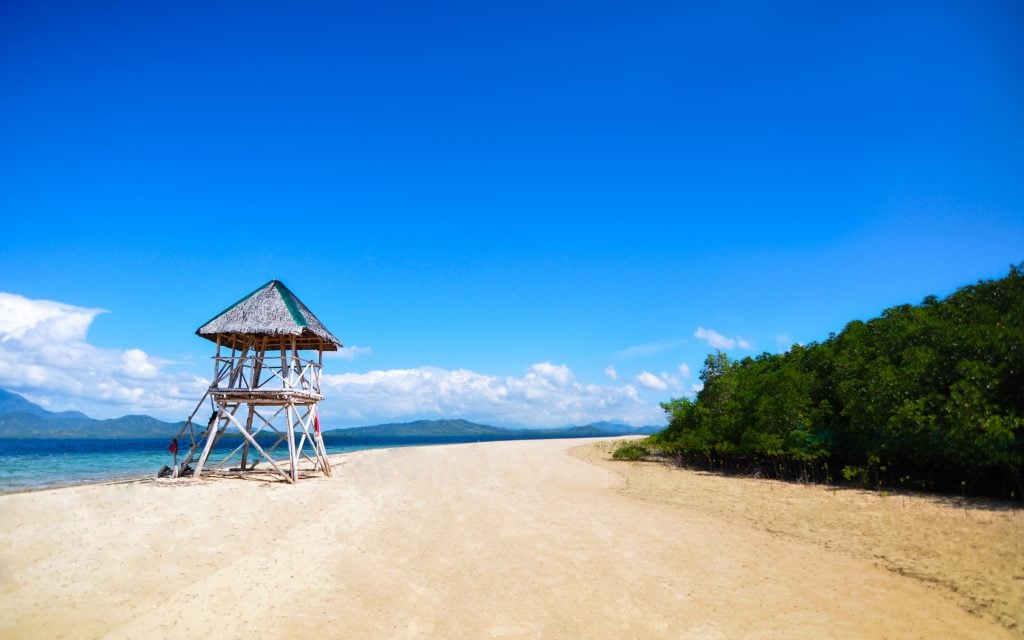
[43,463]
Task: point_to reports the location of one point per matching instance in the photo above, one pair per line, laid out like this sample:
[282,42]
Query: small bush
[631,452]
[856,475]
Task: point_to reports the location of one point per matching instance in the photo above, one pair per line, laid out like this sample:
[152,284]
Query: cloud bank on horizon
[45,354]
[546,395]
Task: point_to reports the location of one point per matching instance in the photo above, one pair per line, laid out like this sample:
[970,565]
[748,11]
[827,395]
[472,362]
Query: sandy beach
[534,539]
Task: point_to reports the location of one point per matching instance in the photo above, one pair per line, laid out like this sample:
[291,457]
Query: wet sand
[495,540]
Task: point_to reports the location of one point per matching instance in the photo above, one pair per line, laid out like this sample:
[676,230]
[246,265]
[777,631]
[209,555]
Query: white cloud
[611,372]
[648,348]
[545,395]
[670,380]
[350,352]
[44,355]
[713,338]
[136,364]
[651,381]
[558,374]
[718,341]
[38,322]
[684,370]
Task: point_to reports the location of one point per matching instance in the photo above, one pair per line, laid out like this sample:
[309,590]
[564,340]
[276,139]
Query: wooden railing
[269,373]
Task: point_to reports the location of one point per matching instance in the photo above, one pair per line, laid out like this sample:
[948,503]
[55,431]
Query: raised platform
[272,397]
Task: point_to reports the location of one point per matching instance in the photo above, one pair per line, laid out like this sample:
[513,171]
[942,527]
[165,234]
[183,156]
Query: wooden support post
[238,364]
[215,433]
[216,364]
[316,373]
[322,452]
[315,439]
[210,437]
[257,446]
[245,444]
[292,456]
[284,363]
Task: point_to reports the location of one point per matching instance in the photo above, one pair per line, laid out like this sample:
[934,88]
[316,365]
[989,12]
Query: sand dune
[496,540]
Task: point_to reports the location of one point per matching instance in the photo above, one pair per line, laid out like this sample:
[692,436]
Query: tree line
[927,396]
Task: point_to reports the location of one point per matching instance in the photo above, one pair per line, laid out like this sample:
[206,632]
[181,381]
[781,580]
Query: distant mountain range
[463,430]
[20,418]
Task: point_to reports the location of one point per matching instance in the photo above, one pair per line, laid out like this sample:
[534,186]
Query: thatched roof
[271,310]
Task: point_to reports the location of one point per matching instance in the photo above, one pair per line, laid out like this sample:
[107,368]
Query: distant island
[20,418]
[440,431]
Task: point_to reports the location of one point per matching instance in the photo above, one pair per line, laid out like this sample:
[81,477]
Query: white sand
[497,540]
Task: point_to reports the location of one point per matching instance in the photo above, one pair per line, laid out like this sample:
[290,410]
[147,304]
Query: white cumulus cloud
[558,374]
[45,355]
[684,370]
[38,322]
[716,340]
[651,381]
[136,363]
[611,372]
[546,394]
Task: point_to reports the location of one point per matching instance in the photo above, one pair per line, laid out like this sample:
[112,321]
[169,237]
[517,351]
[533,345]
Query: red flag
[174,447]
[316,423]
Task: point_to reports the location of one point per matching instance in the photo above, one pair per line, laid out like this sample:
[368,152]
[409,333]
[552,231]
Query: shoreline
[970,502]
[505,539]
[131,476]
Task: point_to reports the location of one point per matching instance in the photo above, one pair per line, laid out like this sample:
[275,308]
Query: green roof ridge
[290,303]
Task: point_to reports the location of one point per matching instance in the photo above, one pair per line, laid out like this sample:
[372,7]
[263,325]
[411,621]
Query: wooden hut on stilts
[264,394]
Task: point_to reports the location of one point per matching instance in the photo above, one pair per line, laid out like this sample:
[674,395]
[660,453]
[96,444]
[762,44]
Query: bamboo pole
[284,363]
[322,451]
[256,444]
[316,439]
[214,434]
[293,459]
[211,432]
[239,363]
[316,407]
[254,384]
[245,444]
[216,363]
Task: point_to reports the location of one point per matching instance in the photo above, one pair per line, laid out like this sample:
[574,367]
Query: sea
[42,463]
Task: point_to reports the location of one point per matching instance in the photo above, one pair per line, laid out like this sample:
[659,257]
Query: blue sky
[525,214]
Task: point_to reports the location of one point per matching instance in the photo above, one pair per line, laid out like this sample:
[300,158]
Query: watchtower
[266,387]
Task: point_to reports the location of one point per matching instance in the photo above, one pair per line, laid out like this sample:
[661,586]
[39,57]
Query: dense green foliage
[928,396]
[631,451]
